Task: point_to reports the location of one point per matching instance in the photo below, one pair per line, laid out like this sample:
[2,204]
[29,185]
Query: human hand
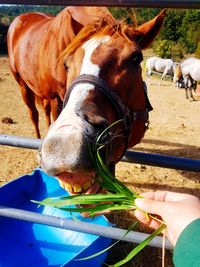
[177,210]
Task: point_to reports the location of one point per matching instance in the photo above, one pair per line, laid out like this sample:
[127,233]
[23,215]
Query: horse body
[35,42]
[189,72]
[164,66]
[195,70]
[84,81]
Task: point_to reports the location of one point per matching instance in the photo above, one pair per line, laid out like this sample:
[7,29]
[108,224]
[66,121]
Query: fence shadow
[172,149]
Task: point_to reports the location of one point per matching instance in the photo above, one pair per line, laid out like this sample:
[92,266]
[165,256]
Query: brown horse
[35,43]
[97,78]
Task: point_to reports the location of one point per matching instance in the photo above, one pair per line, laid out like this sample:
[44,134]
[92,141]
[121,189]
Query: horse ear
[146,33]
[76,26]
[88,15]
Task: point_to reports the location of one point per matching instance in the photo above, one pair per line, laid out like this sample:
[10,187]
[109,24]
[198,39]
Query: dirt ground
[174,130]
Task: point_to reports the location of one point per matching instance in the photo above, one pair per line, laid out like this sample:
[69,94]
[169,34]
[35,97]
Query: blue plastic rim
[25,244]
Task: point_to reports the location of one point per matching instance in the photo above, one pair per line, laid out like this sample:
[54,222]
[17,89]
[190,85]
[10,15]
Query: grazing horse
[188,72]
[93,69]
[160,65]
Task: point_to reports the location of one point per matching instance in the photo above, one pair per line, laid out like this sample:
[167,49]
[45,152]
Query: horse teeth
[68,188]
[87,185]
[61,183]
[77,188]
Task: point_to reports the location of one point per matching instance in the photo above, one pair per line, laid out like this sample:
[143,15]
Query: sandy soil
[174,130]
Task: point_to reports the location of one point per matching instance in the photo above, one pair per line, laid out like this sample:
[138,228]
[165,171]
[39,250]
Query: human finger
[142,217]
[165,196]
[151,206]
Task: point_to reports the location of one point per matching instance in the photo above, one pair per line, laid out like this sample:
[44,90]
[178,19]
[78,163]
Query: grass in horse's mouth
[120,197]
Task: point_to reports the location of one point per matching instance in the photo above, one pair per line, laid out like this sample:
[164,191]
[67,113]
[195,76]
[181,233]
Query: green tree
[190,30]
[197,52]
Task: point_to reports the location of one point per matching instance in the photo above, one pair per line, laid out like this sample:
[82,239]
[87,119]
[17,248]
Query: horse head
[104,84]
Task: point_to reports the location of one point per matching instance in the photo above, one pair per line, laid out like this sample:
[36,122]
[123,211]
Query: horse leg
[195,86]
[163,76]
[191,94]
[29,99]
[186,93]
[191,83]
[186,82]
[148,76]
[47,112]
[56,107]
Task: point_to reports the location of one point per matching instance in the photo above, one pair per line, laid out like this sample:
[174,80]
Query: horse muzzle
[65,154]
[65,150]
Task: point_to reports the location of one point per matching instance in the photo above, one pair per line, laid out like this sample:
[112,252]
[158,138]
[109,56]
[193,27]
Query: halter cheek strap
[128,116]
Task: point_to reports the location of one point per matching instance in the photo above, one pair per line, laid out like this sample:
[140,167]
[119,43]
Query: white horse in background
[165,67]
[189,72]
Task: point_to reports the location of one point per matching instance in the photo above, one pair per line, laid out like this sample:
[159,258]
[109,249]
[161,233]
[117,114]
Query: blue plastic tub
[24,244]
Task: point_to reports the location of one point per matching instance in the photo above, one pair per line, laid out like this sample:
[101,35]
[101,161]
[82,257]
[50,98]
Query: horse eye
[137,58]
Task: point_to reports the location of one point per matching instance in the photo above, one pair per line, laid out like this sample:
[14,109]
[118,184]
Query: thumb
[150,206]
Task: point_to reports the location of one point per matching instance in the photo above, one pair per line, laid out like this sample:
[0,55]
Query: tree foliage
[15,10]
[180,33]
[197,52]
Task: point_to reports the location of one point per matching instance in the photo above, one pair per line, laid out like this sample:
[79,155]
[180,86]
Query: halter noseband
[128,116]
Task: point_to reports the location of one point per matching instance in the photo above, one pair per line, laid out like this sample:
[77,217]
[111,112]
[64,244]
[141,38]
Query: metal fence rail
[117,3]
[157,160]
[20,141]
[83,227]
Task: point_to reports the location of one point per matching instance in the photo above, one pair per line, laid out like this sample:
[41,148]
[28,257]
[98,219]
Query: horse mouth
[76,183]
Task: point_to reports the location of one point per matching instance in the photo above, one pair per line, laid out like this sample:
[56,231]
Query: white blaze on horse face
[65,146]
[81,90]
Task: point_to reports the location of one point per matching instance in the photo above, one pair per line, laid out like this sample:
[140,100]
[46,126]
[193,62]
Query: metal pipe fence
[80,226]
[157,160]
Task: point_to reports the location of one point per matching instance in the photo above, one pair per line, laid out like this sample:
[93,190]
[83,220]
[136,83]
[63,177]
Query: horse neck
[65,27]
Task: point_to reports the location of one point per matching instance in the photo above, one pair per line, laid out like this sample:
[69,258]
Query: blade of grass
[106,249]
[83,199]
[103,167]
[139,247]
[97,209]
[104,131]
[104,183]
[107,176]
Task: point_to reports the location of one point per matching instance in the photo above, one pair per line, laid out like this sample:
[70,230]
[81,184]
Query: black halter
[128,116]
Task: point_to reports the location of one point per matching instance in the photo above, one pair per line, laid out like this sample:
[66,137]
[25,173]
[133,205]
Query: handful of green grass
[120,197]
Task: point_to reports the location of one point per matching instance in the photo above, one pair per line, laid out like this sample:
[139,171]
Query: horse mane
[96,29]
